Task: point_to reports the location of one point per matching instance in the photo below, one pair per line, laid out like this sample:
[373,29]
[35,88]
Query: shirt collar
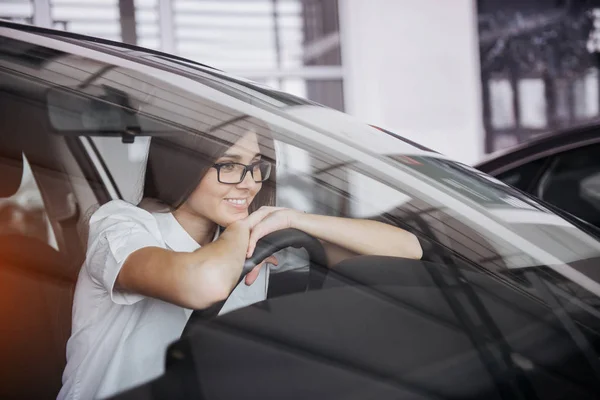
[174,235]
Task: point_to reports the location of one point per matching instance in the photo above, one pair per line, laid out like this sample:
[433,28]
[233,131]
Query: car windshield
[93,116]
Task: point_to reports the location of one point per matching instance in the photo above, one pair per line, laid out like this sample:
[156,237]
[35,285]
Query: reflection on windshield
[484,190]
[344,189]
[224,82]
[520,213]
[205,74]
[574,279]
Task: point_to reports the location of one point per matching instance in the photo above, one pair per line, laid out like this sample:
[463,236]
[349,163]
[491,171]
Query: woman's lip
[237,206]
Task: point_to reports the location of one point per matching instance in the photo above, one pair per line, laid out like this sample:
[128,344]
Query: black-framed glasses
[232,172]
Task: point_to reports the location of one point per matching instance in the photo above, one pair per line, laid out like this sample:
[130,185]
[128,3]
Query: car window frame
[514,158]
[532,181]
[536,185]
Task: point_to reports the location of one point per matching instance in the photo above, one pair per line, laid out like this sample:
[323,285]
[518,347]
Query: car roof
[96,40]
[542,146]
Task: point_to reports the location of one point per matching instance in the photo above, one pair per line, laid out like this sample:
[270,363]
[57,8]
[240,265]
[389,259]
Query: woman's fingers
[252,275]
[271,223]
[261,214]
[277,219]
[260,226]
[271,260]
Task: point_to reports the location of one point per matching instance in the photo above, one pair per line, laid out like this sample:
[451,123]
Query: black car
[504,304]
[563,169]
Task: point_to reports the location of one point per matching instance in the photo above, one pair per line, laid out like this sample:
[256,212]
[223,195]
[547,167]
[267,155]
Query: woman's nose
[248,182]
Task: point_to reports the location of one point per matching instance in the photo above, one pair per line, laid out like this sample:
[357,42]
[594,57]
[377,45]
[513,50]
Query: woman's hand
[266,220]
[263,221]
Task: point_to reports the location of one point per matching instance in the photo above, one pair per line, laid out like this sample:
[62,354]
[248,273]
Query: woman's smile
[238,203]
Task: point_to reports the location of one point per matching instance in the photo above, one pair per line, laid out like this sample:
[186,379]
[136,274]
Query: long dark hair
[176,163]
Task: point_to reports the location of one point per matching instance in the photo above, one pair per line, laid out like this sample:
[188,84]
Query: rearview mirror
[99,111]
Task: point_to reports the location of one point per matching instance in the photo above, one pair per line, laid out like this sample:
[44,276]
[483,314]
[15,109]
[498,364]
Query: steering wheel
[266,247]
[278,240]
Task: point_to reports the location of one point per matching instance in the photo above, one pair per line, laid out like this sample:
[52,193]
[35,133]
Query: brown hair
[176,163]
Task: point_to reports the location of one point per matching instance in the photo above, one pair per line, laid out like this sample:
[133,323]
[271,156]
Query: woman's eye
[227,167]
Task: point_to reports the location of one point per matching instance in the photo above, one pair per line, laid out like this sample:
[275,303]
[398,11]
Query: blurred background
[464,77]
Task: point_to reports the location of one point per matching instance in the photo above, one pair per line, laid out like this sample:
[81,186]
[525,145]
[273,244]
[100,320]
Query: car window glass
[523,176]
[531,220]
[186,121]
[354,190]
[572,183]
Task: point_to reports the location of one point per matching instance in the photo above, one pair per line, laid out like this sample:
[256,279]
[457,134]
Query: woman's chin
[231,218]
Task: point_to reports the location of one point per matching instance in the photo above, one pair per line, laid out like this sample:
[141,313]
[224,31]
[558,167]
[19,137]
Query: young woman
[146,271]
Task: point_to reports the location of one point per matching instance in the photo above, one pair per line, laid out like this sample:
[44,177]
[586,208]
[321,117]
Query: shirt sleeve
[116,231]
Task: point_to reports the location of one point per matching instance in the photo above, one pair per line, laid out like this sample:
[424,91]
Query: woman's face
[226,203]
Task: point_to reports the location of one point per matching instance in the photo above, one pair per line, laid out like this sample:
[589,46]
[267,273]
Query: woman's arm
[193,280]
[348,235]
[360,236]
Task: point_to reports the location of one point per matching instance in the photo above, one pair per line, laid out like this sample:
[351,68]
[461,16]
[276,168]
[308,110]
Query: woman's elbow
[205,297]
[210,288]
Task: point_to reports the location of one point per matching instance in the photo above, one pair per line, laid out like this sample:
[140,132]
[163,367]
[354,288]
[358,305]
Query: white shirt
[119,339]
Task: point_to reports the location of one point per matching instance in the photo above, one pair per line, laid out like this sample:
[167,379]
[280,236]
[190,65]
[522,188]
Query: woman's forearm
[360,236]
[193,280]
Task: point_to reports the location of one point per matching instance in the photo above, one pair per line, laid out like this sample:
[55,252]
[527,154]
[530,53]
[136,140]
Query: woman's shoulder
[119,210]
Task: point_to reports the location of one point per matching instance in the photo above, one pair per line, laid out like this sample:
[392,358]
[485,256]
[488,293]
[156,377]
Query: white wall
[413,67]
